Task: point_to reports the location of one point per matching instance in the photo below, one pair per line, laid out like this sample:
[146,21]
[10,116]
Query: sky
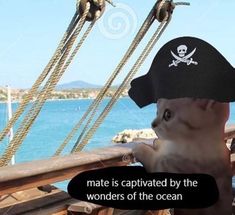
[31,30]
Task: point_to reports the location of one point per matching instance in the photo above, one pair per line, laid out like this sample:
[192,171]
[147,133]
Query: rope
[46,91]
[162,8]
[28,97]
[125,83]
[111,2]
[182,3]
[94,111]
[95,104]
[167,6]
[127,80]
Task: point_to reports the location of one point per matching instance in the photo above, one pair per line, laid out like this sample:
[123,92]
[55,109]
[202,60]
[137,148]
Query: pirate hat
[185,67]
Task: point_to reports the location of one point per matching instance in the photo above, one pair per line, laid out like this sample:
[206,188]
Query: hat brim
[141,94]
[143,91]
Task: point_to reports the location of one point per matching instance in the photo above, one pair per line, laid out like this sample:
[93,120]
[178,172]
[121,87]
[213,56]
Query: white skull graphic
[182,50]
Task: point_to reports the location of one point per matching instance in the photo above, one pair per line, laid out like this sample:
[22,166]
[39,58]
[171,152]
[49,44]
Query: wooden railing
[38,173]
[42,172]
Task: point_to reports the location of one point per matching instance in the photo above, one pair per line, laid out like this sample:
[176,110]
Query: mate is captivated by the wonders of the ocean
[192,134]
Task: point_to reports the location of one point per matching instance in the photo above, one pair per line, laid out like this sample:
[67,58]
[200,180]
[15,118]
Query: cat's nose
[154,124]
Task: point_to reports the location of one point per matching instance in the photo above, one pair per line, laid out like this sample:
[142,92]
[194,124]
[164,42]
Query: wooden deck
[20,195]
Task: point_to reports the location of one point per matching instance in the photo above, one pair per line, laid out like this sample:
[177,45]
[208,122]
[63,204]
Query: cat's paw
[145,154]
[138,152]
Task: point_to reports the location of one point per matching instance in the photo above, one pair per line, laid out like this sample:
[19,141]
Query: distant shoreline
[50,100]
[69,99]
[73,94]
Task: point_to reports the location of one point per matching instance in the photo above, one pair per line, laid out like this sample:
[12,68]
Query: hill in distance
[77,85]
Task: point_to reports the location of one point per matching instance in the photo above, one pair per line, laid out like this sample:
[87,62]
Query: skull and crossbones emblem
[182,57]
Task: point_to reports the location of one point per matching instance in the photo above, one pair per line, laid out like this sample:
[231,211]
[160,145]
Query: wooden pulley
[95,6]
[164,8]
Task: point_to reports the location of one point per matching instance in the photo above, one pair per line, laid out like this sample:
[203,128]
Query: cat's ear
[204,104]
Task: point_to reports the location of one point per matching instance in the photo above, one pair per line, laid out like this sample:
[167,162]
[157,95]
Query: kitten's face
[177,118]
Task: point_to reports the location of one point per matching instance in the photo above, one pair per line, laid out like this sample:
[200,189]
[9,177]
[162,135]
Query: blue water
[57,118]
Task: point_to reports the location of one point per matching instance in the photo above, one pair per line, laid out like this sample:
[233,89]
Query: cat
[192,141]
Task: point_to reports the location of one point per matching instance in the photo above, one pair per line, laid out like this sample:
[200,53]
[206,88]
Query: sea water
[57,118]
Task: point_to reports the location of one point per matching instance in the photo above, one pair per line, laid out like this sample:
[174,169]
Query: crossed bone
[186,59]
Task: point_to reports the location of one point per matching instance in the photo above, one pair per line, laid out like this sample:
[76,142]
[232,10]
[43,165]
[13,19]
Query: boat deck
[26,189]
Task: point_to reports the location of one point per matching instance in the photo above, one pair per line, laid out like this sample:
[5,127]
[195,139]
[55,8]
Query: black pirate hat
[185,67]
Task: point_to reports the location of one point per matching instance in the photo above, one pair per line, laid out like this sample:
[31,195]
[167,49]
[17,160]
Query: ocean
[57,118]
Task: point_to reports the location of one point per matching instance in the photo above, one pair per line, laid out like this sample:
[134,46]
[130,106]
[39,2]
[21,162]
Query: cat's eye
[167,115]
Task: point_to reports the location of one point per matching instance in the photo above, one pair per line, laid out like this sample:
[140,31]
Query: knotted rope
[58,71]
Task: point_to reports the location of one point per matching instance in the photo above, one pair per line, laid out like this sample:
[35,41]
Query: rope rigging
[58,63]
[124,84]
[95,104]
[161,11]
[91,11]
[165,6]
